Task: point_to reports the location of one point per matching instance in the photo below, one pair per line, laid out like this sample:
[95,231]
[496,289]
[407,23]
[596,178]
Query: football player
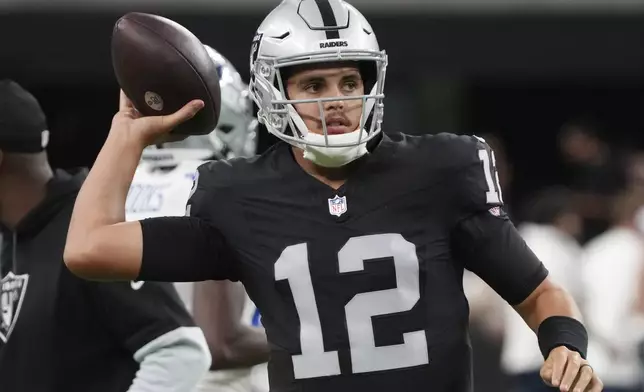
[161,186]
[351,243]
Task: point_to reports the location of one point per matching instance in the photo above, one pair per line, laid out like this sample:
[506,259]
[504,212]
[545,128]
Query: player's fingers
[573,362]
[546,373]
[559,359]
[125,105]
[596,385]
[584,380]
[182,115]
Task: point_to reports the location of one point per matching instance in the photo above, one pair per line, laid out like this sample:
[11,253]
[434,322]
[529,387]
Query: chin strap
[335,156]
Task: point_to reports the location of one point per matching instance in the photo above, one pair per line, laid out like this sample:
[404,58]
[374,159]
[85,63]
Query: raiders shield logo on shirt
[12,293]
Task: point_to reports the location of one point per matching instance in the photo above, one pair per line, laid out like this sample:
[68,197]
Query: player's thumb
[184,114]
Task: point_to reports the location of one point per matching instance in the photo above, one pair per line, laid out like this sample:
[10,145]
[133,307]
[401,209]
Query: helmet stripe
[328,18]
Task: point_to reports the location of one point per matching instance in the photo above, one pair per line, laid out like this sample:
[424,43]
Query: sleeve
[483,238]
[176,361]
[491,247]
[138,312]
[184,249]
[190,248]
[148,319]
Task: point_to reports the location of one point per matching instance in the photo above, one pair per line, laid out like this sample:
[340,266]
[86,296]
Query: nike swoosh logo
[136,285]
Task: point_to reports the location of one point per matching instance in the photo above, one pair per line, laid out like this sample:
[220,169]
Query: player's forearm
[546,301]
[249,347]
[101,203]
[552,313]
[101,200]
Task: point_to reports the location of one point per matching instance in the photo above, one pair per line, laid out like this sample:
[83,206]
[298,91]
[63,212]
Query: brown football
[161,66]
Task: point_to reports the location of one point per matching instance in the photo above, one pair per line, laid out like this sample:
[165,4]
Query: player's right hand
[567,370]
[148,130]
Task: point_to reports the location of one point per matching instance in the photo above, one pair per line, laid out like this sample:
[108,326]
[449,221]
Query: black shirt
[62,333]
[360,289]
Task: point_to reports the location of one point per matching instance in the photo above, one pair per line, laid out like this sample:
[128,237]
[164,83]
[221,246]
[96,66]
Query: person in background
[595,173]
[612,265]
[551,226]
[59,332]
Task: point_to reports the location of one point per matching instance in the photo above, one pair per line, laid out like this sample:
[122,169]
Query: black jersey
[360,288]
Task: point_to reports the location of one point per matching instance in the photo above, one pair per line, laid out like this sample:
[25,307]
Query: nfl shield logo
[496,211]
[12,293]
[338,205]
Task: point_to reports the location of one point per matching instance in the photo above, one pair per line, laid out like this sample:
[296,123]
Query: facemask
[335,156]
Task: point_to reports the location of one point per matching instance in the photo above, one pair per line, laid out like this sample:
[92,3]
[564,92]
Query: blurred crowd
[589,232]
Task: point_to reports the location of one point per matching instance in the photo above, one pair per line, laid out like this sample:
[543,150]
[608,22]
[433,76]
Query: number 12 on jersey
[293,266]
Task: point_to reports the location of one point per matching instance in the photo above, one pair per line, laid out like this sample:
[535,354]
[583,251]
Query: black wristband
[562,331]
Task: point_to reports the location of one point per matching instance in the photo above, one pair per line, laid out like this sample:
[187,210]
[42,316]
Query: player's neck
[334,177]
[22,197]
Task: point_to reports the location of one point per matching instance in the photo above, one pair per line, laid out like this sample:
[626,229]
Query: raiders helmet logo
[333,44]
[12,293]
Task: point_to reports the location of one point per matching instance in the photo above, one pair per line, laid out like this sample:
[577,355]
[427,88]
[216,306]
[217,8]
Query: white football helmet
[307,32]
[236,131]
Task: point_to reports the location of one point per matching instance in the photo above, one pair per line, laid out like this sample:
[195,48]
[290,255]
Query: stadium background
[516,71]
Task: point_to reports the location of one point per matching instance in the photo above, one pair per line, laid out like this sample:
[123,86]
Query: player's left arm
[488,244]
[149,320]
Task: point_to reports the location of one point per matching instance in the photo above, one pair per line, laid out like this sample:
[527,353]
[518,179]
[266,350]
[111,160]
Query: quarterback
[351,242]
